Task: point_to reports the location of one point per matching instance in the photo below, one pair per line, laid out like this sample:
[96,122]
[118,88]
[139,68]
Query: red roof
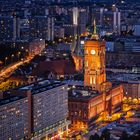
[58,67]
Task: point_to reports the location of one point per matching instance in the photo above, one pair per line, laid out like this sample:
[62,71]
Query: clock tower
[94,62]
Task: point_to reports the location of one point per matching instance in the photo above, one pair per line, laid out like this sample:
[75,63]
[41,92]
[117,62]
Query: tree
[91,137]
[124,136]
[136,136]
[133,138]
[96,137]
[105,135]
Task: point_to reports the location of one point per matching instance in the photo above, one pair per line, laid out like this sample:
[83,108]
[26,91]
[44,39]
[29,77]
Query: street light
[18,54]
[6,59]
[12,57]
[26,52]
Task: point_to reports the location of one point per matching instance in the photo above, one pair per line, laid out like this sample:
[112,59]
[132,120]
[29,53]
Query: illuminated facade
[78,62]
[75,16]
[94,63]
[97,95]
[85,105]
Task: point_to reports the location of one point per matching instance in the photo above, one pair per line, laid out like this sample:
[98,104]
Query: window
[91,80]
[86,63]
[94,81]
[86,51]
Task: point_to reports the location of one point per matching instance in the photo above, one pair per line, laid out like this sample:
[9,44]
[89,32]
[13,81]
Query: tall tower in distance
[94,62]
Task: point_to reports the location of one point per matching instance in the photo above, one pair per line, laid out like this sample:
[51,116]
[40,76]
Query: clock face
[93,52]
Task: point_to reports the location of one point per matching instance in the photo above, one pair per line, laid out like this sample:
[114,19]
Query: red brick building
[56,69]
[86,105]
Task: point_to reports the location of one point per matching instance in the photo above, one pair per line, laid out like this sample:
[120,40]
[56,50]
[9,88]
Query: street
[7,71]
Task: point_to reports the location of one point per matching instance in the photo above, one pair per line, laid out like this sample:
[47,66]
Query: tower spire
[95,29]
[94,34]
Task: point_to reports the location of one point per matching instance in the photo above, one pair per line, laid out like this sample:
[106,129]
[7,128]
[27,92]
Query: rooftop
[35,88]
[82,93]
[42,86]
[125,77]
[58,67]
[9,99]
[74,82]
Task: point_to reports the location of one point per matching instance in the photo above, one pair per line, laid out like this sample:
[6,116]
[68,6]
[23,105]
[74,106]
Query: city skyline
[69,70]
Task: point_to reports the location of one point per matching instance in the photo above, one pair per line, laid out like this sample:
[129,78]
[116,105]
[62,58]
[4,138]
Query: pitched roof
[58,67]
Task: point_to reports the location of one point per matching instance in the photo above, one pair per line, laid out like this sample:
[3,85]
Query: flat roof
[125,77]
[74,82]
[34,88]
[9,99]
[42,86]
[82,93]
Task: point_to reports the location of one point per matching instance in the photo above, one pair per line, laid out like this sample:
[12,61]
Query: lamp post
[12,56]
[6,60]
[18,55]
[27,52]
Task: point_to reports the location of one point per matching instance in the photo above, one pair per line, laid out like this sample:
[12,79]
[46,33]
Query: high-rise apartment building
[38,27]
[108,19]
[50,28]
[14,115]
[35,111]
[9,27]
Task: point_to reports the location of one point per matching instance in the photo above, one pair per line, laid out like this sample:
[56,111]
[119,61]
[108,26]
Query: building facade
[85,105]
[50,111]
[94,64]
[14,118]
[38,110]
[132,89]
[97,95]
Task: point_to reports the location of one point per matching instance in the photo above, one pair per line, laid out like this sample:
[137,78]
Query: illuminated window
[91,80]
[86,51]
[86,63]
[18,111]
[94,81]
[25,101]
